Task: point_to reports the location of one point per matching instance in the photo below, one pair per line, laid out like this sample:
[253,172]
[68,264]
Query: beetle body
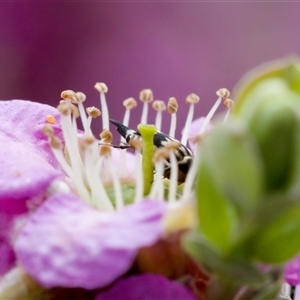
[183,154]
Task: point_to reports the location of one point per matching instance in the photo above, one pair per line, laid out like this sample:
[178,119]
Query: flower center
[108,178]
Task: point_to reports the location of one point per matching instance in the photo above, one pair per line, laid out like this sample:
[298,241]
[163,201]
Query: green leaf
[229,183]
[235,163]
[239,272]
[217,215]
[279,242]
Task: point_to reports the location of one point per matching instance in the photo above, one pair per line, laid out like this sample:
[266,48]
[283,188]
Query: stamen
[93,112]
[106,136]
[58,186]
[50,119]
[190,178]
[191,99]
[69,129]
[147,132]
[297,292]
[48,130]
[56,147]
[138,170]
[223,94]
[174,171]
[64,108]
[172,109]
[159,158]
[129,104]
[55,142]
[102,89]
[159,106]
[146,96]
[173,177]
[286,290]
[114,176]
[105,150]
[229,103]
[81,97]
[69,95]
[93,165]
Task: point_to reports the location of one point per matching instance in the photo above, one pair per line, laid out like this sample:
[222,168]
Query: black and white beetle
[183,154]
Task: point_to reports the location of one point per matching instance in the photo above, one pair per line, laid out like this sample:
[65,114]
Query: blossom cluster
[83,218]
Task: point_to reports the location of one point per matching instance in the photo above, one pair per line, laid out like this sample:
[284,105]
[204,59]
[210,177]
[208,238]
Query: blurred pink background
[173,48]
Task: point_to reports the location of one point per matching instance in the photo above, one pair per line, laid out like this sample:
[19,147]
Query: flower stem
[147,132]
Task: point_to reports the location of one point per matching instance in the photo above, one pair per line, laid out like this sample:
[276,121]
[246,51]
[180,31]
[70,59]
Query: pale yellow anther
[146,95]
[172,146]
[48,130]
[74,110]
[192,99]
[228,102]
[105,150]
[197,139]
[136,144]
[160,154]
[50,119]
[69,94]
[223,93]
[159,105]
[101,87]
[88,140]
[55,142]
[106,136]
[80,96]
[64,108]
[93,111]
[172,105]
[130,103]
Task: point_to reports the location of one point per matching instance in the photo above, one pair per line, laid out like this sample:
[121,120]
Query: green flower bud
[229,182]
[268,101]
[274,122]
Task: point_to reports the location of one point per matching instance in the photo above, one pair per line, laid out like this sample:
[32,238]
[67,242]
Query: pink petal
[195,129]
[27,163]
[292,271]
[68,243]
[146,286]
[7,256]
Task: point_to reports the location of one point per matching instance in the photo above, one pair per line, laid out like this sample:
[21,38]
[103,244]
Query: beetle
[183,154]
